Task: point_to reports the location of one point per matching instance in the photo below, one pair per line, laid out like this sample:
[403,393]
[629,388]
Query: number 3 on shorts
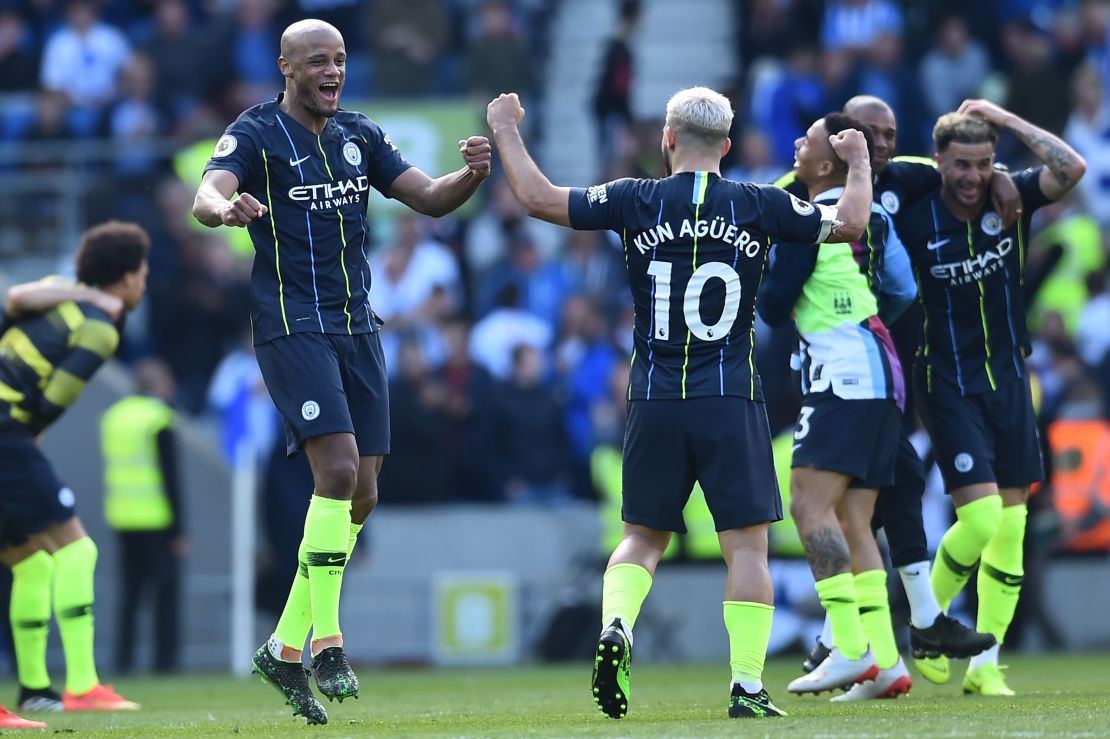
[802,428]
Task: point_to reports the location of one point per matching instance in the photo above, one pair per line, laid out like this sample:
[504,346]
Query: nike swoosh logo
[296,162]
[336,560]
[934,245]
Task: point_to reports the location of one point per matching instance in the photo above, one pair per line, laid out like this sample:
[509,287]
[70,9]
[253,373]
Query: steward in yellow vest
[142,504]
[131,433]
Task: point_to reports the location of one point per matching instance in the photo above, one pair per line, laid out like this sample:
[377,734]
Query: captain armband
[830,221]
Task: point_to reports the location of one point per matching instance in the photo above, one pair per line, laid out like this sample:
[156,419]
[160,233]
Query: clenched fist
[504,110]
[477,153]
[850,146]
[242,211]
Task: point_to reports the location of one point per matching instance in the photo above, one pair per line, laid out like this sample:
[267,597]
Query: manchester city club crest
[352,153]
[890,202]
[991,224]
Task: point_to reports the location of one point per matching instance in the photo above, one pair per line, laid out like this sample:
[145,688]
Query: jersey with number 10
[695,246]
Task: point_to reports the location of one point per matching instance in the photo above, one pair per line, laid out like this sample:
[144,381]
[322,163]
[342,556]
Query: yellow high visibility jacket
[135,494]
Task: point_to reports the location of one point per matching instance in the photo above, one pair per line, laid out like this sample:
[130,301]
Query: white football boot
[889,683]
[836,671]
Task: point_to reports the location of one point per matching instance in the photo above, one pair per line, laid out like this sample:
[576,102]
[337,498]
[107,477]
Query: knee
[1014,497]
[652,539]
[799,510]
[805,509]
[37,568]
[855,516]
[845,520]
[745,547]
[365,499]
[981,518]
[641,545]
[80,554]
[337,477]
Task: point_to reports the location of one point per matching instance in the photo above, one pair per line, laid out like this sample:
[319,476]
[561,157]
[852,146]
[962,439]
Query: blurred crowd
[508,339]
[139,69]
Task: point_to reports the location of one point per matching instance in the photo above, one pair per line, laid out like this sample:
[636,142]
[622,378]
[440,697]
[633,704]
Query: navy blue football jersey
[310,269]
[904,180]
[695,246]
[969,276]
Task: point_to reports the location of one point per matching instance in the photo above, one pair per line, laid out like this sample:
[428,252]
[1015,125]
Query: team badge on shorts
[964,462]
[890,202]
[310,410]
[352,153]
[225,146]
[67,498]
[991,223]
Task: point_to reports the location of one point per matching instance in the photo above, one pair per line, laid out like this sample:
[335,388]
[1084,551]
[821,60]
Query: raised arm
[438,197]
[213,205]
[530,186]
[41,296]
[94,342]
[897,288]
[854,206]
[1063,165]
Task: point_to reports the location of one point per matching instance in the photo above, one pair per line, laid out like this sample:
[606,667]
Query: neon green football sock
[838,598]
[30,617]
[296,618]
[327,532]
[356,529]
[874,614]
[749,631]
[623,590]
[962,545]
[1001,573]
[74,565]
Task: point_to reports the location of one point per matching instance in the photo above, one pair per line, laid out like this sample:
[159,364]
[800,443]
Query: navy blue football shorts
[724,443]
[898,508]
[858,438]
[329,384]
[32,498]
[982,437]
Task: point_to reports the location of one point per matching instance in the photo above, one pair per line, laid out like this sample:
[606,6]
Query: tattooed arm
[1063,165]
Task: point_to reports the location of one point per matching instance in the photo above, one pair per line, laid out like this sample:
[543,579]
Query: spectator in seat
[84,57]
[498,58]
[529,435]
[418,469]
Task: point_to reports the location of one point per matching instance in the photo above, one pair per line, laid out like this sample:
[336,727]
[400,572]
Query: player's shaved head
[879,116]
[296,37]
[859,102]
[314,63]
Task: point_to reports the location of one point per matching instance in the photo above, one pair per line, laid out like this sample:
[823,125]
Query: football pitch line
[1058,696]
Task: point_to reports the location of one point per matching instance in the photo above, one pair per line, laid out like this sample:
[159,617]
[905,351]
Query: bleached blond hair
[700,116]
[961,128]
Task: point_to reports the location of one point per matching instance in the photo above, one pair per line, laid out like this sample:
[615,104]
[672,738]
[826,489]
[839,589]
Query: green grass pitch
[1063,695]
